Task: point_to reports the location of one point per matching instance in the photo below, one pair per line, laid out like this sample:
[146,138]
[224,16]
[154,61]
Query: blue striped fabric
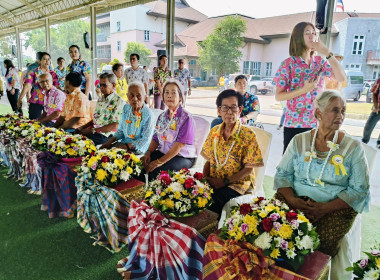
[102,211]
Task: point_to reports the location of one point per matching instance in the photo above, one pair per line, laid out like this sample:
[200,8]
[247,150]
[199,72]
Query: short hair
[161,56]
[109,76]
[45,74]
[297,43]
[229,93]
[39,55]
[323,99]
[179,86]
[45,53]
[138,84]
[59,59]
[239,77]
[132,54]
[116,66]
[74,78]
[74,46]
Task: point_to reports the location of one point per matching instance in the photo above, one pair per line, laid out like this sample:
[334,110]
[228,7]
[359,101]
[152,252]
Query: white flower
[312,154]
[372,274]
[300,232]
[63,153]
[263,241]
[176,187]
[61,144]
[277,241]
[183,209]
[178,205]
[81,144]
[307,242]
[50,141]
[290,253]
[332,146]
[124,175]
[138,170]
[86,169]
[24,132]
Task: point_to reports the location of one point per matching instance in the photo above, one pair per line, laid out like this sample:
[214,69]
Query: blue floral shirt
[251,104]
[81,67]
[61,75]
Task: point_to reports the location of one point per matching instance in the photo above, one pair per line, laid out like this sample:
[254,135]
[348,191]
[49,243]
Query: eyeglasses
[181,62]
[104,85]
[225,108]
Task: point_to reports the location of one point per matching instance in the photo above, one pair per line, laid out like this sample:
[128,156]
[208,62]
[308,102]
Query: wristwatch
[330,55]
[226,181]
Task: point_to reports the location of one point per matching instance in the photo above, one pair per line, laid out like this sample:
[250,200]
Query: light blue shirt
[142,134]
[352,188]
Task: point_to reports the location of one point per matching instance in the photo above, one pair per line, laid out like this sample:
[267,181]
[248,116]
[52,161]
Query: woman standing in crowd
[82,67]
[161,74]
[121,82]
[61,72]
[172,146]
[36,100]
[12,85]
[301,77]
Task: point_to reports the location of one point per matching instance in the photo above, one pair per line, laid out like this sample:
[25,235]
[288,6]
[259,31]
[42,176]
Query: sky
[268,8]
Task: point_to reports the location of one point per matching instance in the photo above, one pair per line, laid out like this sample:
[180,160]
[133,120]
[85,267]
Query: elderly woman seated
[136,124]
[172,146]
[231,151]
[324,174]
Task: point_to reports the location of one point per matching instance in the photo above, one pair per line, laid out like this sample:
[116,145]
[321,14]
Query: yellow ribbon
[337,161]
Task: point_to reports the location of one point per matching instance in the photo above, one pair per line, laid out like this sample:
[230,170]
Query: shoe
[279,127]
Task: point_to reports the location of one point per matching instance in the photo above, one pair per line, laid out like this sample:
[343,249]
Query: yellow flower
[58,152]
[282,213]
[177,176]
[251,221]
[148,194]
[169,203]
[134,158]
[113,179]
[71,152]
[200,190]
[275,253]
[185,192]
[115,172]
[58,132]
[169,189]
[285,231]
[92,160]
[378,262]
[129,170]
[163,194]
[303,218]
[263,214]
[120,163]
[181,181]
[202,202]
[273,232]
[239,235]
[92,147]
[177,195]
[290,245]
[101,174]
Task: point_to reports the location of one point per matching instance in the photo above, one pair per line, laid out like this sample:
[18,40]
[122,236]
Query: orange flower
[132,136]
[138,114]
[215,135]
[307,159]
[128,121]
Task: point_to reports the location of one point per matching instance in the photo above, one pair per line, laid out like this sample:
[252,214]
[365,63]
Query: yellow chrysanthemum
[58,152]
[275,253]
[263,214]
[251,221]
[185,192]
[177,195]
[101,174]
[149,194]
[71,152]
[129,170]
[202,202]
[169,203]
[274,232]
[120,163]
[58,132]
[378,262]
[285,231]
[92,160]
[200,190]
[290,245]
[239,235]
[270,208]
[282,213]
[169,189]
[92,147]
[181,181]
[303,218]
[115,172]
[163,194]
[134,158]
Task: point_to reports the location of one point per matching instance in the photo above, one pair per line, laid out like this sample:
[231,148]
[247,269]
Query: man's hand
[216,183]
[152,166]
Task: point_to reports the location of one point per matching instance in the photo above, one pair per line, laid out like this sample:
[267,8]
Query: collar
[234,130]
[109,97]
[76,91]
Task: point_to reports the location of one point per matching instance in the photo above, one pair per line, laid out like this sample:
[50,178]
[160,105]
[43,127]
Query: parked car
[262,85]
[367,90]
[194,82]
[353,87]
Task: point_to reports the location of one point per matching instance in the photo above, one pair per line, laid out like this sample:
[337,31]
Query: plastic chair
[264,139]
[156,113]
[201,130]
[350,245]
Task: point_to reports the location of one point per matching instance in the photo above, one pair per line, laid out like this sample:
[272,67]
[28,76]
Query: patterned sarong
[161,248]
[228,259]
[102,211]
[32,171]
[58,184]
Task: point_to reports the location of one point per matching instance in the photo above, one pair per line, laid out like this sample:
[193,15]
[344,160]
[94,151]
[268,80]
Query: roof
[31,14]
[261,30]
[183,12]
[183,46]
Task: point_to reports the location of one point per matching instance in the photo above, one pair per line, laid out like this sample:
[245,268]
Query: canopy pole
[47,35]
[170,16]
[18,46]
[325,38]
[93,50]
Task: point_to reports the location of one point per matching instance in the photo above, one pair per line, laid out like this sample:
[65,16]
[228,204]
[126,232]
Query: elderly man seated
[136,124]
[53,101]
[107,112]
[76,111]
[231,151]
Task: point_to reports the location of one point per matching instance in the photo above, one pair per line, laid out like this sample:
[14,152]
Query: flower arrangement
[367,268]
[72,146]
[111,167]
[23,128]
[282,233]
[7,121]
[179,194]
[45,137]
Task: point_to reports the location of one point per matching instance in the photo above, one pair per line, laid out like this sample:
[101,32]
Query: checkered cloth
[58,184]
[32,170]
[102,211]
[226,260]
[161,248]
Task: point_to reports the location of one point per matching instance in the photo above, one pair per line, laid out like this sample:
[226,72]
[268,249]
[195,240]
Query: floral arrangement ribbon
[337,161]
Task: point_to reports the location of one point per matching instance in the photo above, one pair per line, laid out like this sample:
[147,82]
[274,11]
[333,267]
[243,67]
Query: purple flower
[230,227]
[230,221]
[94,166]
[75,148]
[195,192]
[277,226]
[375,252]
[158,191]
[363,263]
[244,228]
[274,216]
[205,195]
[284,245]
[294,223]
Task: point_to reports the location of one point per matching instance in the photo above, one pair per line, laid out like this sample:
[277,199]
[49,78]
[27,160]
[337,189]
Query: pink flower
[205,195]
[165,179]
[363,263]
[277,226]
[294,223]
[94,166]
[195,192]
[375,252]
[274,216]
[230,227]
[75,148]
[244,228]
[284,244]
[158,191]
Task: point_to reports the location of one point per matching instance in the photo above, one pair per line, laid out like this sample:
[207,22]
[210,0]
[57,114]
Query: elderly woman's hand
[318,211]
[153,165]
[216,183]
[299,203]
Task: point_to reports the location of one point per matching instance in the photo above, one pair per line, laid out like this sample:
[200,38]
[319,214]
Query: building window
[268,69]
[146,35]
[355,67]
[256,68]
[358,45]
[246,67]
[193,62]
[118,26]
[118,46]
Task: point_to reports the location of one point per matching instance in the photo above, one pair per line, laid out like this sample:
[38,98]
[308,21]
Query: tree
[221,49]
[62,36]
[140,49]
[6,46]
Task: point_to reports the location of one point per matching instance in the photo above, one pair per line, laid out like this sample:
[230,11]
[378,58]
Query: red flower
[267,224]
[126,157]
[163,172]
[189,183]
[84,137]
[31,122]
[245,209]
[92,153]
[291,215]
[260,199]
[105,159]
[69,140]
[47,132]
[185,171]
[198,176]
[165,179]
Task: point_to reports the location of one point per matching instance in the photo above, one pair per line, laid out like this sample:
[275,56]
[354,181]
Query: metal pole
[18,46]
[170,16]
[47,34]
[93,50]
[325,38]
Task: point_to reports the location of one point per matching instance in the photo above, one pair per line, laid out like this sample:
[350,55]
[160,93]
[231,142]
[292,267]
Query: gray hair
[138,84]
[323,99]
[45,74]
[180,89]
[109,76]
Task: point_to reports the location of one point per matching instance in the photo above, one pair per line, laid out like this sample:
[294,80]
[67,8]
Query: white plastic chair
[201,130]
[264,139]
[350,245]
[156,113]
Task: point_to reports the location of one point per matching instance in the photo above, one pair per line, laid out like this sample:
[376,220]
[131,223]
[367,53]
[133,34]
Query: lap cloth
[58,184]
[331,228]
[229,259]
[160,248]
[102,211]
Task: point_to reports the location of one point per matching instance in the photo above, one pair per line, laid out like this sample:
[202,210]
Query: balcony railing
[101,37]
[373,57]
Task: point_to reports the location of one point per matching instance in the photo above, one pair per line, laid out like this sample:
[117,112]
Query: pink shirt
[291,75]
[37,93]
[54,101]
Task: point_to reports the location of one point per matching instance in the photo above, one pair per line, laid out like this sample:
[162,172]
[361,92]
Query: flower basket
[77,160]
[179,194]
[367,268]
[112,167]
[72,146]
[284,234]
[45,137]
[7,120]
